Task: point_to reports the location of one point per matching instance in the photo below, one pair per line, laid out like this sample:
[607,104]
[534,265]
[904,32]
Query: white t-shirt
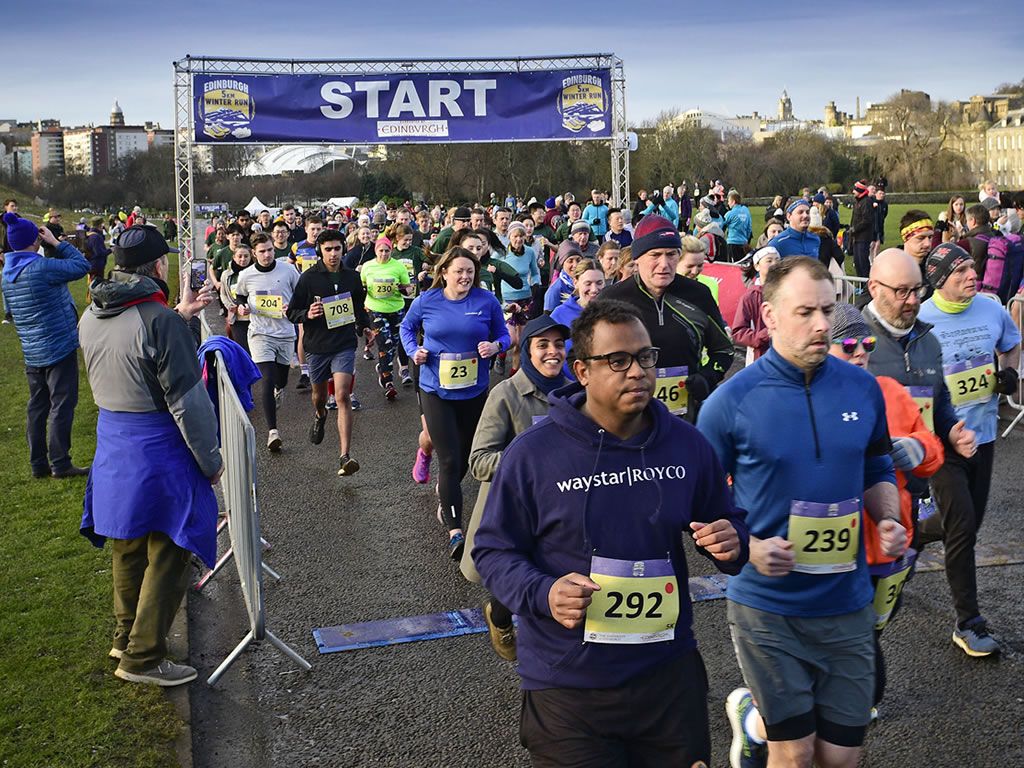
[274,289]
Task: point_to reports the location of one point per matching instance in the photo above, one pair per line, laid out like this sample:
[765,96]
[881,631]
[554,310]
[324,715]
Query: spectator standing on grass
[738,228]
[862,227]
[36,289]
[156,452]
[10,206]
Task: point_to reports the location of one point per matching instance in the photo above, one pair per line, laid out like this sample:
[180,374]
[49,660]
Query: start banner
[547,105]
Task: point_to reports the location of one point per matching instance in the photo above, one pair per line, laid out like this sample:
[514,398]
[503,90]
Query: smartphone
[197,274]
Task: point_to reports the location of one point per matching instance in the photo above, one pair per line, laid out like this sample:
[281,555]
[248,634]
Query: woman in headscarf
[513,406]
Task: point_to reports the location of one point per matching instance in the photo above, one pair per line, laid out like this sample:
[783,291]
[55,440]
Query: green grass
[60,703]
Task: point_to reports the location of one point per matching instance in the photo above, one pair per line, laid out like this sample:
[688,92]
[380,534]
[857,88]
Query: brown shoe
[503,639]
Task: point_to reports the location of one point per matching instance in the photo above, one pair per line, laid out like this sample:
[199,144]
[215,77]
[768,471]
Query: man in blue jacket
[36,290]
[800,611]
[582,537]
[738,228]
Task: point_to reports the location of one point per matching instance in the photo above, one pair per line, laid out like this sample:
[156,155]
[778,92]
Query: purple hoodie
[566,490]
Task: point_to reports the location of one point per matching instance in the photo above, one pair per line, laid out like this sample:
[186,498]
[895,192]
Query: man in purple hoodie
[583,537]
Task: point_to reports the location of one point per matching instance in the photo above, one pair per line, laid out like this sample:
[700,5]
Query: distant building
[1004,161]
[47,151]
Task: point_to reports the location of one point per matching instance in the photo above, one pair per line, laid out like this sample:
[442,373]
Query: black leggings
[275,376]
[451,424]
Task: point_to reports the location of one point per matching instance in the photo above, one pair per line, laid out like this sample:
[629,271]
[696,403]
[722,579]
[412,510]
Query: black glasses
[850,345]
[904,293]
[623,361]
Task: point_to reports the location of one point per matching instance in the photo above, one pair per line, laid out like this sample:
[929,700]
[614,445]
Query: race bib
[892,577]
[670,388]
[307,263]
[825,536]
[268,304]
[338,310]
[971,381]
[925,404]
[457,370]
[638,602]
[382,287]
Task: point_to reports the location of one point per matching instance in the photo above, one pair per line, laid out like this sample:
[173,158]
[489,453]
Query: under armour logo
[849,416]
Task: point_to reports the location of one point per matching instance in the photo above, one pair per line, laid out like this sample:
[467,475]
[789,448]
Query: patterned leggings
[386,325]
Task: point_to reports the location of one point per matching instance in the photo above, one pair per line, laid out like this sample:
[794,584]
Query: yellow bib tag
[971,381]
[925,404]
[305,264]
[892,577]
[268,305]
[825,536]
[338,310]
[638,602]
[457,370]
[670,388]
[382,287]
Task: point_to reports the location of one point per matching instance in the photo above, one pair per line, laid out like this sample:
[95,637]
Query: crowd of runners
[574,359]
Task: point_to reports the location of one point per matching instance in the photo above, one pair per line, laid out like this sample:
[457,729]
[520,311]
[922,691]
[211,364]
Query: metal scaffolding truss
[211,65]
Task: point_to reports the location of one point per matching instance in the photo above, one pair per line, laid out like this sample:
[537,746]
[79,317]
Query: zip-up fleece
[566,490]
[784,439]
[141,357]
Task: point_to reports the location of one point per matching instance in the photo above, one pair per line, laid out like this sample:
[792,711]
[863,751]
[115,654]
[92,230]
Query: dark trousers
[861,250]
[275,376]
[658,719]
[451,424]
[238,332]
[52,397]
[735,252]
[961,495]
[150,578]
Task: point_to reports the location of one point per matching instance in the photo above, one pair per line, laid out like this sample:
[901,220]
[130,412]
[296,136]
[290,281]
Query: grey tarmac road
[369,547]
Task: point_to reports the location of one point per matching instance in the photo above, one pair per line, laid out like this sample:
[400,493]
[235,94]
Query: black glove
[941,226]
[698,387]
[1006,381]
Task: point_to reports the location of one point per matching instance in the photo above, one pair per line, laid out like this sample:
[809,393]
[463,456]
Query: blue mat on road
[434,626]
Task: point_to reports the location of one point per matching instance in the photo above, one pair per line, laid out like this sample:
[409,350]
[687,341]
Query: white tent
[341,202]
[255,206]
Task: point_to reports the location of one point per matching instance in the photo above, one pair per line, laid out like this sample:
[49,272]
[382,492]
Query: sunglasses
[850,345]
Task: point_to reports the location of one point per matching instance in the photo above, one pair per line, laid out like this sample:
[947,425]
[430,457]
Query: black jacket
[319,281]
[687,322]
[862,225]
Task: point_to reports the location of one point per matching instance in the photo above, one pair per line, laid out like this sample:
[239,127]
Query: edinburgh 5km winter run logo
[582,103]
[226,108]
[629,476]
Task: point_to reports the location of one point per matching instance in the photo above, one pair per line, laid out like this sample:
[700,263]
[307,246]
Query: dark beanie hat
[462,213]
[139,245]
[566,248]
[941,262]
[654,232]
[21,233]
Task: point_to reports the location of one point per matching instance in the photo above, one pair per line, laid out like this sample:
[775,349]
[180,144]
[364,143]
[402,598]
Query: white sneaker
[274,441]
[165,674]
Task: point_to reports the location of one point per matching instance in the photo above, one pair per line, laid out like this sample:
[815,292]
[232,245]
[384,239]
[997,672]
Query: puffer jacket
[37,294]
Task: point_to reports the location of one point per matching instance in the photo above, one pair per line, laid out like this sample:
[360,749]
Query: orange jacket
[904,419]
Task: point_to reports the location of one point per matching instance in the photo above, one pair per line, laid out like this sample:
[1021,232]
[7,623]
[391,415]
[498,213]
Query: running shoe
[303,382]
[165,674]
[421,467]
[456,544]
[974,638]
[503,639]
[390,392]
[367,354]
[744,752]
[274,441]
[316,429]
[332,404]
[347,466]
[403,374]
[356,405]
[278,397]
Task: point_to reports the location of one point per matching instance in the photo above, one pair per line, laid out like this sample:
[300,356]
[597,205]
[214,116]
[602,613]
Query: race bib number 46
[670,388]
[457,370]
[638,602]
[268,305]
[825,536]
[971,381]
[338,310]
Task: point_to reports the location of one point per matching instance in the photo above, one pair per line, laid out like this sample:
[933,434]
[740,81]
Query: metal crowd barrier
[1015,306]
[239,487]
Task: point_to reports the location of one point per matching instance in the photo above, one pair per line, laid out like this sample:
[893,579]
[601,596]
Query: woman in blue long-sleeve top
[462,325]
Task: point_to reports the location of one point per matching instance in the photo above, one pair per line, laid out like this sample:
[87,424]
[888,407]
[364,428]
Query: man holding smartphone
[596,215]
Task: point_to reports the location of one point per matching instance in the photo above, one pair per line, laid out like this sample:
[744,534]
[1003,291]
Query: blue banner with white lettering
[401,109]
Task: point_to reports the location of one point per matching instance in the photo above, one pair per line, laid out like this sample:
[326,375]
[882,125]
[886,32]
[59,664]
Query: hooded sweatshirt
[567,490]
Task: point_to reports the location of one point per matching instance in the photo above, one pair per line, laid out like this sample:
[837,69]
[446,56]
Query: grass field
[61,704]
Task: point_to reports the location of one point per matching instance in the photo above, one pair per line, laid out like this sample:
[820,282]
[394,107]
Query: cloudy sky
[728,56]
